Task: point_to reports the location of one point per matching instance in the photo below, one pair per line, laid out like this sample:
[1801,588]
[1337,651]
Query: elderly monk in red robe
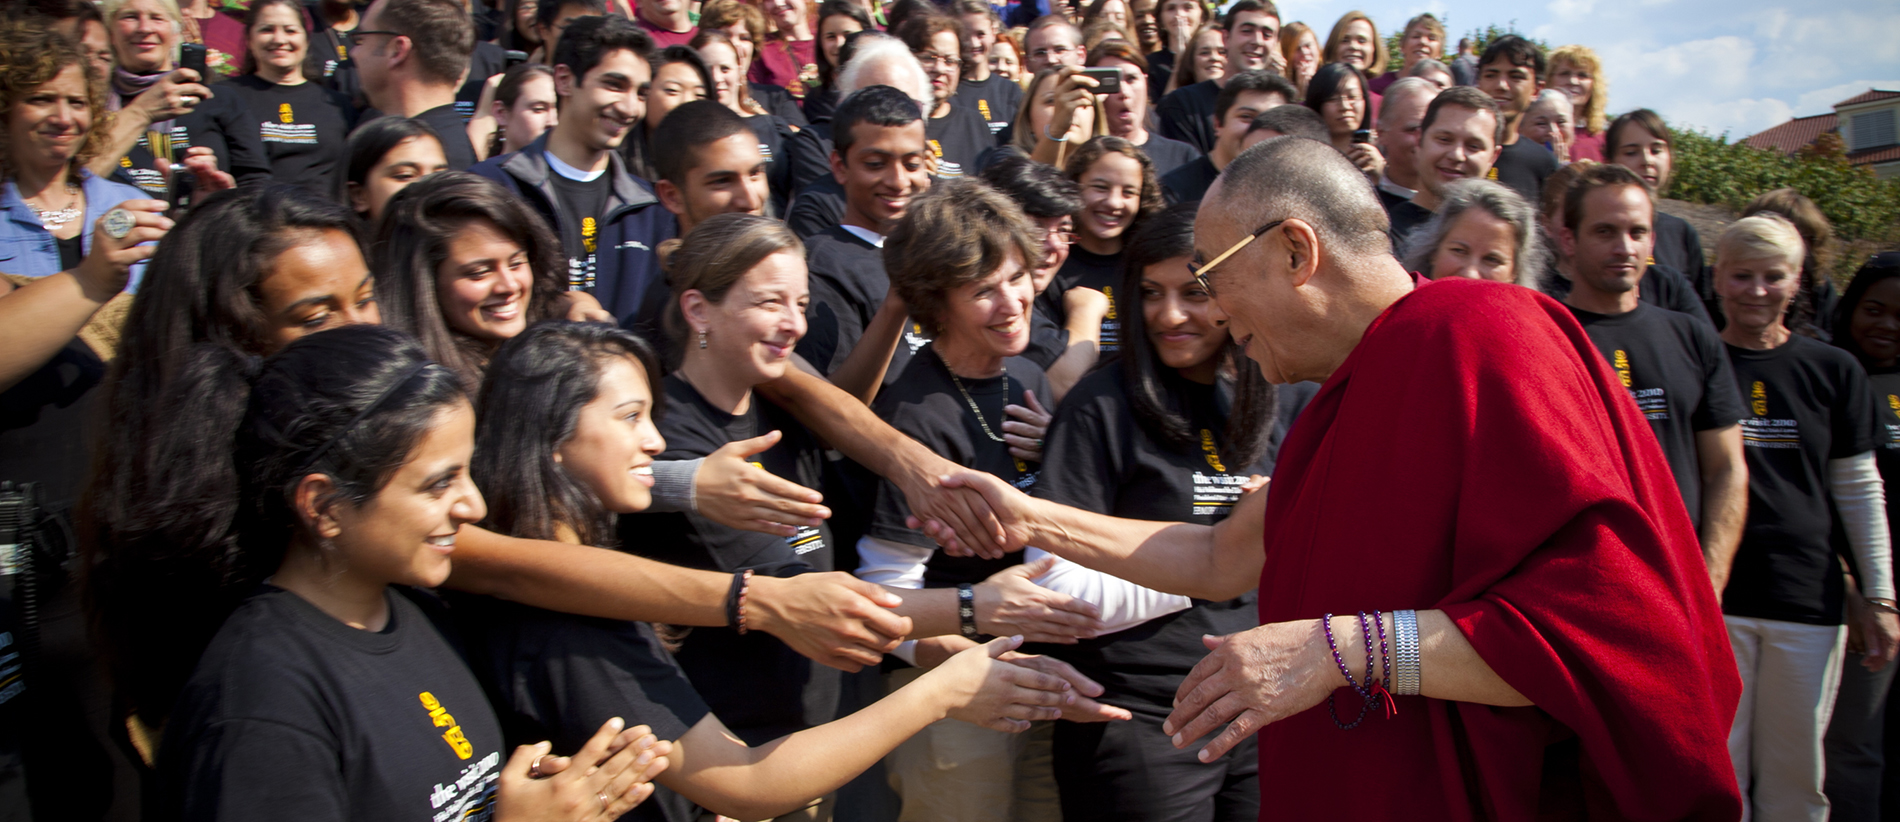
[1471,460]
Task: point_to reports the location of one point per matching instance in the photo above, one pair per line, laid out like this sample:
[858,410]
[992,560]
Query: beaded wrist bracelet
[735,600]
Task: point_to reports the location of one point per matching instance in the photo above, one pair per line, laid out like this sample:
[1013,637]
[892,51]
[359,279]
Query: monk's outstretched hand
[1009,507]
[1250,679]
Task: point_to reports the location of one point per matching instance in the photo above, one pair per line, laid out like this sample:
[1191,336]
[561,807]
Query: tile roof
[1870,156]
[1869,96]
[1792,136]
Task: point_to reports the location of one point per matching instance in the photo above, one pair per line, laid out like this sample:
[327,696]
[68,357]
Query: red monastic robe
[1475,454]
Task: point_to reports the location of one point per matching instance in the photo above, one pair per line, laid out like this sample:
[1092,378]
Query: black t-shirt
[1168,154]
[222,124]
[1187,114]
[328,49]
[1099,458]
[1679,247]
[927,404]
[1676,370]
[1523,167]
[581,206]
[1189,183]
[1160,71]
[292,713]
[817,208]
[1885,386]
[778,102]
[558,677]
[486,61]
[305,129]
[1661,287]
[1086,269]
[1808,403]
[1406,217]
[847,288]
[71,251]
[759,686]
[997,100]
[957,138]
[1047,341]
[452,129]
[774,134]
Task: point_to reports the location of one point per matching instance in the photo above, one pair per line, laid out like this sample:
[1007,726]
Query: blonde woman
[1424,39]
[1575,70]
[1299,48]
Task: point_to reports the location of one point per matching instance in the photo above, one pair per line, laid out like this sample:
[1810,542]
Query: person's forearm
[1724,513]
[1860,499]
[932,611]
[579,579]
[1449,668]
[127,127]
[1046,150]
[783,775]
[849,425]
[862,372]
[1205,562]
[40,318]
[1074,364]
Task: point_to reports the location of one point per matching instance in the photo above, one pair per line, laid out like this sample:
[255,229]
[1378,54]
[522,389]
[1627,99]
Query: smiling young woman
[304,127]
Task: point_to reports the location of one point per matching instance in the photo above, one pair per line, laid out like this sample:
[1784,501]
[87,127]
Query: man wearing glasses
[410,55]
[957,134]
[1480,594]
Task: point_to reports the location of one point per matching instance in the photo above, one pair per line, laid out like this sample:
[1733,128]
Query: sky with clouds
[1735,66]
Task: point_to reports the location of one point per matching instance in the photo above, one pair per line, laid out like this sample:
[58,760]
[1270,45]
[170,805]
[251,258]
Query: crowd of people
[687,410]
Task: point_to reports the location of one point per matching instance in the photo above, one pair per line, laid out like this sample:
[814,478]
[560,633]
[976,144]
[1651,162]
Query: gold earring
[702,338]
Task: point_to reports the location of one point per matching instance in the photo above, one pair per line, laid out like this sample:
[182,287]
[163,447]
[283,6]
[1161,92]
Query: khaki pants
[1790,674]
[953,771]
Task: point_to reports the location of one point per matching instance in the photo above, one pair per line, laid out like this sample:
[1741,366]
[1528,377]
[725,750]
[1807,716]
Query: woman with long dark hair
[1337,93]
[387,154]
[303,126]
[466,267]
[330,686]
[566,434]
[1868,326]
[837,21]
[1178,432]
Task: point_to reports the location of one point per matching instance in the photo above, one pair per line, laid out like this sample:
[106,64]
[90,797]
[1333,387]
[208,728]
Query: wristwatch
[966,610]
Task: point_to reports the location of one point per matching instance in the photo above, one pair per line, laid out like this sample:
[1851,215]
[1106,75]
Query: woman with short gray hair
[1484,231]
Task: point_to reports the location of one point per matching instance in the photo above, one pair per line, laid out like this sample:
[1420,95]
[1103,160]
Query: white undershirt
[865,234]
[571,172]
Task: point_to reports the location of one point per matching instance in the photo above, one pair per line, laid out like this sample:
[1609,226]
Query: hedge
[1715,171]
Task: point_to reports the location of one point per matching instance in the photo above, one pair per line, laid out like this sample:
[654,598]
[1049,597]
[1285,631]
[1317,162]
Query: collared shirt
[28,249]
[865,234]
[1386,185]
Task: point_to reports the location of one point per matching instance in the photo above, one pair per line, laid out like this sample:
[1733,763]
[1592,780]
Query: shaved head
[1299,296]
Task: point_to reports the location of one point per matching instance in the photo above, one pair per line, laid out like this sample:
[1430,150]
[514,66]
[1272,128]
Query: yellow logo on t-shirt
[1893,402]
[439,716]
[1213,453]
[1651,260]
[588,230]
[936,149]
[1492,174]
[984,107]
[1109,292]
[125,162]
[1758,399]
[1623,367]
[284,115]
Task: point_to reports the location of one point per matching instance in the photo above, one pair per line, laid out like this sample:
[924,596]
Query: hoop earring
[702,338]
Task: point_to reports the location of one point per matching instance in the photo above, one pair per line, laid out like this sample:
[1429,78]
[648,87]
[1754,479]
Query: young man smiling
[858,327]
[709,163]
[609,221]
[1253,41]
[1458,141]
[1512,72]
[1245,96]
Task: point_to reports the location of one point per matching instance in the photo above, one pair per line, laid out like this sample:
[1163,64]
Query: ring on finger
[603,802]
[534,768]
[119,222]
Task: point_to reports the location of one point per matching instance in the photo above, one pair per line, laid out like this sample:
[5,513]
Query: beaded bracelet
[1326,622]
[735,600]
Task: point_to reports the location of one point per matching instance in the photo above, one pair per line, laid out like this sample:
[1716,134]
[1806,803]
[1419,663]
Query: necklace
[972,400]
[54,218]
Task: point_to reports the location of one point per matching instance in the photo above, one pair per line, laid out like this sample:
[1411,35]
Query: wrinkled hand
[581,307]
[834,618]
[202,162]
[1009,603]
[730,490]
[1009,505]
[611,774]
[963,511]
[1084,708]
[1025,427]
[1252,678]
[176,95]
[107,267]
[984,690]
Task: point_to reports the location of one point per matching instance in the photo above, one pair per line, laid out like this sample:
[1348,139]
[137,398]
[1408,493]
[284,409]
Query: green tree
[1713,170]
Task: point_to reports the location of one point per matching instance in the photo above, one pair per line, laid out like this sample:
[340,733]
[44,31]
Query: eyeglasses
[929,59]
[1063,236]
[1201,270]
[356,37]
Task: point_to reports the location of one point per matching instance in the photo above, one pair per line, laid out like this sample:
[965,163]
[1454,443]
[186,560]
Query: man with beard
[1458,140]
[1253,44]
[609,221]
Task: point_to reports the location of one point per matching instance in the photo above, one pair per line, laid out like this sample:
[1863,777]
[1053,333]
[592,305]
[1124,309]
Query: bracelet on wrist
[966,611]
[1045,135]
[735,600]
[1883,605]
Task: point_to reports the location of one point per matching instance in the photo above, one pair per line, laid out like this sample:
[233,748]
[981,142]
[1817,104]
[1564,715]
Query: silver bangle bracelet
[1406,678]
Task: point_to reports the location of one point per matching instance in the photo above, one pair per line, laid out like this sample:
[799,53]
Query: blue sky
[1735,66]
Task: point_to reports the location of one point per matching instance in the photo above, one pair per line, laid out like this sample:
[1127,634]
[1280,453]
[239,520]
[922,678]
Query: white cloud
[1821,101]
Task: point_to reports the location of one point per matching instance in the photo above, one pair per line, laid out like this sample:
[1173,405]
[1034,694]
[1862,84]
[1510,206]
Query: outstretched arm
[832,618]
[851,427]
[1206,562]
